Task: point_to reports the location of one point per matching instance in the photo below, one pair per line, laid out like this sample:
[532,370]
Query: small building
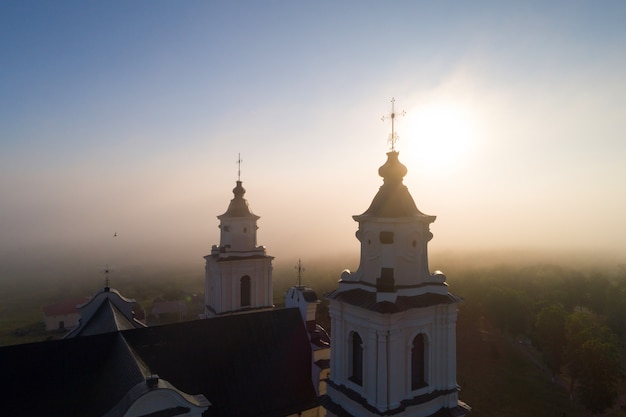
[305,299]
[63,315]
[168,311]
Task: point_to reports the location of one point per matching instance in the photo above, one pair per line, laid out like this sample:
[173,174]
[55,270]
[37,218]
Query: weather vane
[300,270]
[393,137]
[239,161]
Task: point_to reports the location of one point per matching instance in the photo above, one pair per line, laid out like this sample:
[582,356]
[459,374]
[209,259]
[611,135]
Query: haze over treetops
[128,117]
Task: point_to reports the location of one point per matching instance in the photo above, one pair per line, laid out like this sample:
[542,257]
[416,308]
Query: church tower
[393,322]
[238,272]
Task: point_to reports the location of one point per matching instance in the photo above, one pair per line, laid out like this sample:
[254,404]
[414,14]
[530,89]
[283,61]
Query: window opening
[245,291]
[357,359]
[386,237]
[418,362]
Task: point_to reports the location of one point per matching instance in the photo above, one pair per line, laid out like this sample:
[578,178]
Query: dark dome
[393,198]
[238,206]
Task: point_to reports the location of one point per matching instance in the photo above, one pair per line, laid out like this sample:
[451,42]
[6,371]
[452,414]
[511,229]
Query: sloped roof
[309,295]
[460,410]
[107,318]
[120,372]
[393,199]
[255,364]
[238,206]
[367,299]
[60,377]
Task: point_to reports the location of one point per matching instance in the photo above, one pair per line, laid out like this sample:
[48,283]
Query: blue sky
[128,117]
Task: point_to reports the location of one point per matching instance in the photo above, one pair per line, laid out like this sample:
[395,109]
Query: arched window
[418,362]
[245,291]
[356,351]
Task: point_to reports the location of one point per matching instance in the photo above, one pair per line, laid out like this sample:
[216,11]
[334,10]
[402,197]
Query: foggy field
[26,287]
[501,366]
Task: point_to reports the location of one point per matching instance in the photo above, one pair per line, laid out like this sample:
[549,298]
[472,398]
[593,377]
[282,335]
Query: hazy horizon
[128,117]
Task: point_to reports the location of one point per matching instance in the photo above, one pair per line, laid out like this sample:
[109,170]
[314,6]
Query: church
[391,349]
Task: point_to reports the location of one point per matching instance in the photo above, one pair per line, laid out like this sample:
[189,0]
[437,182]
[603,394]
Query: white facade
[387,343]
[306,301]
[63,315]
[157,396]
[238,272]
[61,321]
[393,322]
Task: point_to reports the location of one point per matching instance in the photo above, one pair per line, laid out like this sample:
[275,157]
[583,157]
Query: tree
[578,329]
[597,290]
[593,360]
[509,309]
[550,336]
[600,376]
[616,310]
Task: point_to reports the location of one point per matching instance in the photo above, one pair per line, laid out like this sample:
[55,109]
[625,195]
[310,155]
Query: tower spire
[393,137]
[239,161]
[107,280]
[300,270]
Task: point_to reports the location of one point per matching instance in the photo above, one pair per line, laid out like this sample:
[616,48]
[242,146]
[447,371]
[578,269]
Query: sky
[128,118]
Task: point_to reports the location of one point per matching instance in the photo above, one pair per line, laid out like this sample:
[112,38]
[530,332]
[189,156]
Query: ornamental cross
[300,270]
[393,137]
[239,161]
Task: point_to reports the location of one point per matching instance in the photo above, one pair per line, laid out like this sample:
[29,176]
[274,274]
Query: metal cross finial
[393,137]
[300,270]
[239,161]
[107,281]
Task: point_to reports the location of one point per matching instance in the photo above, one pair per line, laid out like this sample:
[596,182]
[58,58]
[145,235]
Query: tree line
[576,319]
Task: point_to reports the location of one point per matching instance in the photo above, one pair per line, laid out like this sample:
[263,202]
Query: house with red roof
[63,315]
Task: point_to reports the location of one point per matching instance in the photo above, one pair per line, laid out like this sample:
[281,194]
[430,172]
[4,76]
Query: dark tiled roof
[254,364]
[393,198]
[460,410]
[367,299]
[309,295]
[232,256]
[107,318]
[323,363]
[120,372]
[60,377]
[238,206]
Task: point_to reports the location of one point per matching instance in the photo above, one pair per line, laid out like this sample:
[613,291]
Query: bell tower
[393,322]
[238,272]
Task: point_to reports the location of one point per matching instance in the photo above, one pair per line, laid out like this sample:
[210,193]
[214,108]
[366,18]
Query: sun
[437,136]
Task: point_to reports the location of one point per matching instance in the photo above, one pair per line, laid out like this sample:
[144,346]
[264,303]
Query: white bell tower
[238,272]
[393,323]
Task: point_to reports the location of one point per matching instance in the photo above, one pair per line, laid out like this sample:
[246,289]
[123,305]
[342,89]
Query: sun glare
[438,136]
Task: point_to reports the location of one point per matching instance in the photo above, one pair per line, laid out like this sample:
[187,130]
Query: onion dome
[238,206]
[393,198]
